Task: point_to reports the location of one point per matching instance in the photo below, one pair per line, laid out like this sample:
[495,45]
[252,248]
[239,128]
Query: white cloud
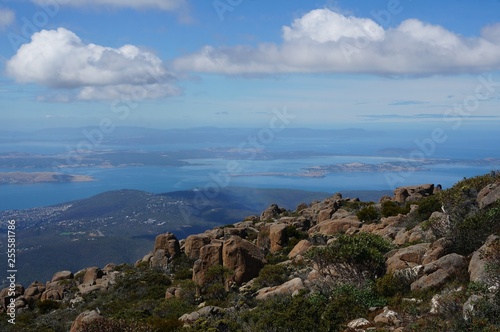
[326,41]
[7,17]
[324,25]
[167,5]
[59,59]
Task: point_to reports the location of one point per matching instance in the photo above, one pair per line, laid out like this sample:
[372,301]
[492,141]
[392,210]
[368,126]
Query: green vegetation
[390,208]
[363,252]
[271,275]
[368,214]
[469,226]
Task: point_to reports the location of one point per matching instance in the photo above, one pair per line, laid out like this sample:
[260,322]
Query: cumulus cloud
[168,5]
[324,26]
[7,17]
[59,59]
[325,41]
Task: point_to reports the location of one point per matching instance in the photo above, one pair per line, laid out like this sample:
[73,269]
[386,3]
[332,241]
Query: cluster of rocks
[63,287]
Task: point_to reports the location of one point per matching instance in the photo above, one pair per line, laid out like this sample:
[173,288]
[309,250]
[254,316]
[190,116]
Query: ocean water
[213,173]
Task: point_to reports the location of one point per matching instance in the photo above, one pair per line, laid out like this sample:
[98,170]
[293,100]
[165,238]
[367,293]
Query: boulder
[300,207]
[488,195]
[194,243]
[243,258]
[299,249]
[478,263]
[204,312]
[264,237]
[412,193]
[169,243]
[438,249]
[91,275]
[5,298]
[159,259]
[277,237]
[332,227]
[358,323]
[325,214]
[210,255]
[414,235]
[406,257]
[271,213]
[173,292]
[437,273]
[341,214]
[34,291]
[85,317]
[62,275]
[288,288]
[388,317]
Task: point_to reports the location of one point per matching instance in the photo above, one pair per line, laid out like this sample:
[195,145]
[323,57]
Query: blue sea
[210,173]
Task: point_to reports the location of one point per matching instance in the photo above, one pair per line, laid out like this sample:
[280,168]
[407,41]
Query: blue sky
[230,63]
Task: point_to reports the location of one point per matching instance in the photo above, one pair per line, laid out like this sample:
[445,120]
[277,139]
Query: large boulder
[5,298]
[34,291]
[488,195]
[437,273]
[204,312]
[299,249]
[243,258]
[62,275]
[336,226]
[271,213]
[169,243]
[408,257]
[412,193]
[277,237]
[85,317]
[479,261]
[210,255]
[288,288]
[91,275]
[194,243]
[325,214]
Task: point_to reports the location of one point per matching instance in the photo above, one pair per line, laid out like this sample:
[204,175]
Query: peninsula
[41,177]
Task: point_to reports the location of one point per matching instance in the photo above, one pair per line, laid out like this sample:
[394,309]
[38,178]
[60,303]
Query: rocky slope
[424,259]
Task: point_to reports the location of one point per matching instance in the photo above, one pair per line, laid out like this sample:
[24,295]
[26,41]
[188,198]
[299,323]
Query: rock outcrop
[412,193]
[479,261]
[243,258]
[488,195]
[288,288]
[437,273]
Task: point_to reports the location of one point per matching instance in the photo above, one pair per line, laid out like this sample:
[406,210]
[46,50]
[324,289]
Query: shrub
[363,252]
[271,275]
[469,225]
[46,306]
[426,207]
[368,214]
[390,208]
[391,285]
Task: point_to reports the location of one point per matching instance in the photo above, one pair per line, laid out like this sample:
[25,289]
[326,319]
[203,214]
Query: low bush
[390,209]
[363,252]
[368,214]
[271,275]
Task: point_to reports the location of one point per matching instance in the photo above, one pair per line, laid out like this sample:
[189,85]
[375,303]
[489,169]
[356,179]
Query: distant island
[41,177]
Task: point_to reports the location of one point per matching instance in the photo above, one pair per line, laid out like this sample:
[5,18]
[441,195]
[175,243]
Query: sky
[235,63]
